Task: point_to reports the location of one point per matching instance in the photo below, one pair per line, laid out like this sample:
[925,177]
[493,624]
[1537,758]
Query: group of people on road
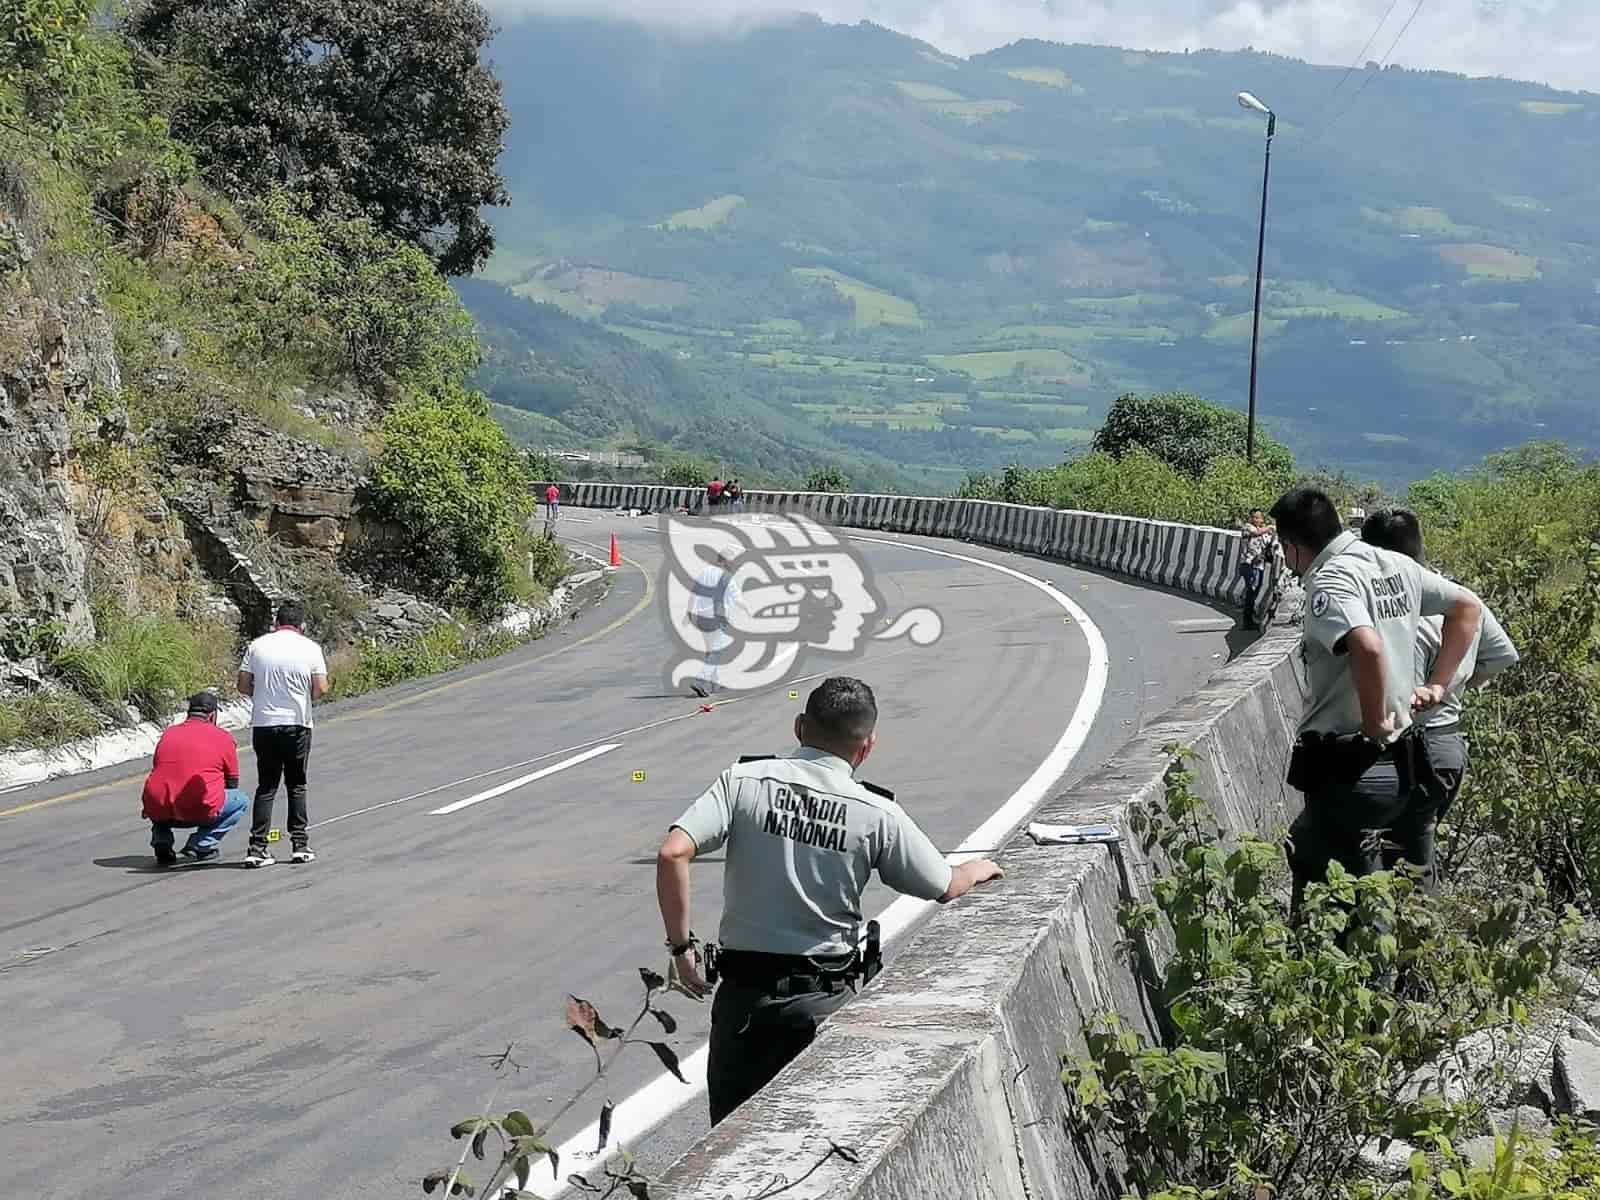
[194,779]
[729,494]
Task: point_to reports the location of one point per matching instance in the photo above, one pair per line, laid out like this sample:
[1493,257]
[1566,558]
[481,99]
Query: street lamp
[1246,100]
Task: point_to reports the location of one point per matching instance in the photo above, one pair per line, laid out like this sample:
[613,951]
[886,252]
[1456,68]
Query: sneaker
[303,854]
[164,856]
[699,689]
[200,855]
[258,856]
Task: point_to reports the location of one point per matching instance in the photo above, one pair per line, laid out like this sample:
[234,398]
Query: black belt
[757,969]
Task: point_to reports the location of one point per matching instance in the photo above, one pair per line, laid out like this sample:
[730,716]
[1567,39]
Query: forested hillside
[954,263]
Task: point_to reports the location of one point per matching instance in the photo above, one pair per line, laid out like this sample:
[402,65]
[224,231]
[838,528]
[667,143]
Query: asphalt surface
[314,1030]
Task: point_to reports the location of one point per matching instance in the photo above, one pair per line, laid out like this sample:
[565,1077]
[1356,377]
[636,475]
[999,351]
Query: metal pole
[1255,326]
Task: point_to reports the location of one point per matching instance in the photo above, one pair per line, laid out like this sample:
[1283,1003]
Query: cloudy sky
[1553,41]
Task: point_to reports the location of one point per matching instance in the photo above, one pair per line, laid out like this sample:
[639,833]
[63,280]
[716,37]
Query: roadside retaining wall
[944,1075]
[1191,558]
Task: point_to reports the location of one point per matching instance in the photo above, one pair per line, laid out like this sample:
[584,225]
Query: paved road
[314,1030]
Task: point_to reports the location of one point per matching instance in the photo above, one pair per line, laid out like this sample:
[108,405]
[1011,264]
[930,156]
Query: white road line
[512,785]
[634,1117]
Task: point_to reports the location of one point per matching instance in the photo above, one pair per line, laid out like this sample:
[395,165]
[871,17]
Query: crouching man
[194,785]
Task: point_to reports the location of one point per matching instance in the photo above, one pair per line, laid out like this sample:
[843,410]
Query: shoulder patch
[876,790]
[1319,604]
[750,758]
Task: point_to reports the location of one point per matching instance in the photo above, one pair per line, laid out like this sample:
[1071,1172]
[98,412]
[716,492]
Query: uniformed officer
[1355,756]
[803,838]
[1491,653]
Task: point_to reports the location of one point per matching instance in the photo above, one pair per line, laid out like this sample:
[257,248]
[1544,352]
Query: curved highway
[212,1031]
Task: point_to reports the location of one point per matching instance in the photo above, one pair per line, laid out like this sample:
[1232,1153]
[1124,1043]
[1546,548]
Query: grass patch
[46,719]
[1523,204]
[997,364]
[1385,439]
[1490,262]
[873,306]
[571,303]
[782,325]
[373,665]
[1239,327]
[1076,437]
[1416,219]
[927,92]
[151,662]
[973,111]
[1006,434]
[1046,77]
[707,216]
[1548,108]
[1094,225]
[656,339]
[1309,300]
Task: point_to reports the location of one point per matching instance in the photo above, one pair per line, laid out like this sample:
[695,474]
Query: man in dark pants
[282,673]
[1353,758]
[804,837]
[1492,652]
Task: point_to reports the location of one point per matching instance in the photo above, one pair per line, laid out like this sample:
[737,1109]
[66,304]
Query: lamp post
[1246,100]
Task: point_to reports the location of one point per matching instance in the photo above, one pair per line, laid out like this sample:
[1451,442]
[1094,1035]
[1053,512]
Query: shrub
[151,662]
[374,665]
[1188,434]
[687,472]
[454,490]
[1291,1047]
[826,479]
[46,719]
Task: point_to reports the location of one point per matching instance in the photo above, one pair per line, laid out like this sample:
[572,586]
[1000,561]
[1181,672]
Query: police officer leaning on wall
[1358,758]
[1492,652]
[803,837]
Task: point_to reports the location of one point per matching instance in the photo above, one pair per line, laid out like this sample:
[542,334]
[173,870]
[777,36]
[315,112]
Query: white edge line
[512,784]
[634,1117]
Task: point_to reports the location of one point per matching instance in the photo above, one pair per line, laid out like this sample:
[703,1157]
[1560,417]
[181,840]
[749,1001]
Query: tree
[453,492]
[374,108]
[1187,433]
[827,479]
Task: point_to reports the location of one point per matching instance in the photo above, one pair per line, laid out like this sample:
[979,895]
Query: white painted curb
[103,750]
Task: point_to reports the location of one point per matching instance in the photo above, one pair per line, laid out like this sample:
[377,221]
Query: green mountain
[857,245]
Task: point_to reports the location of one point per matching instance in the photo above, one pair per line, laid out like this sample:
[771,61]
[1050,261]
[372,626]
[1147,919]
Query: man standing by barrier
[1357,757]
[193,784]
[282,673]
[552,509]
[1492,652]
[1255,553]
[803,838]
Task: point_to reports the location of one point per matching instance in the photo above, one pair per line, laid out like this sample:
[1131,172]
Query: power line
[1362,54]
[1371,75]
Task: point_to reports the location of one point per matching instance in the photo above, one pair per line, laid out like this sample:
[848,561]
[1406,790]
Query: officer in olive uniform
[1357,758]
[803,837]
[1491,653]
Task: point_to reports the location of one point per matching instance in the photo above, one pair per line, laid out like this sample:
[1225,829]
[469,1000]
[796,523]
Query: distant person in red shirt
[194,785]
[552,508]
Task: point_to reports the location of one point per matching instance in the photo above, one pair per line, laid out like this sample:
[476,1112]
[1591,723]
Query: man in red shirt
[552,509]
[194,785]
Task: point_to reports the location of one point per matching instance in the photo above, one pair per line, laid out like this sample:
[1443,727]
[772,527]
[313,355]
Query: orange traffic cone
[616,555]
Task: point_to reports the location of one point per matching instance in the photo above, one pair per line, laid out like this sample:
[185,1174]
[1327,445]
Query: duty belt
[792,974]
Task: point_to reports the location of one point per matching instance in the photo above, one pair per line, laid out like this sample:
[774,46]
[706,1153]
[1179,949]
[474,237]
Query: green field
[1239,326]
[873,306]
[571,302]
[1417,219]
[1491,262]
[927,92]
[1548,108]
[1048,76]
[973,111]
[707,216]
[997,364]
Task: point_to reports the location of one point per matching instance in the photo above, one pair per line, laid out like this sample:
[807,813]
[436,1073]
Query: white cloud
[1552,41]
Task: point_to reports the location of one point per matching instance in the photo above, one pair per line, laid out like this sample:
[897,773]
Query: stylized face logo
[744,595]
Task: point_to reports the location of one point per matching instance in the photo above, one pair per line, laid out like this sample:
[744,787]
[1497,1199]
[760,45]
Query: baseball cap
[202,704]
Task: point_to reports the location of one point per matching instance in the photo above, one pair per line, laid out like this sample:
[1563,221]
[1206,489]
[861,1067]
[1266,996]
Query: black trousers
[756,1031]
[282,752]
[1349,824]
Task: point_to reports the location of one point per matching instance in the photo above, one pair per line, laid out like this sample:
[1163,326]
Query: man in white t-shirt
[282,673]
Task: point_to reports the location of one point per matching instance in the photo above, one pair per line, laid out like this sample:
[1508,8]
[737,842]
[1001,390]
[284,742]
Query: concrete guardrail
[944,1074]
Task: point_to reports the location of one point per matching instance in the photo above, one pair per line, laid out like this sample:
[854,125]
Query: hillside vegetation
[189,322]
[950,264]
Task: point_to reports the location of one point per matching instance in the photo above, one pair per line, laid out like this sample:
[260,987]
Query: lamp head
[1246,100]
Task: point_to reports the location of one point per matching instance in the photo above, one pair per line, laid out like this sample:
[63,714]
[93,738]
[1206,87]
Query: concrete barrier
[1201,560]
[944,1075]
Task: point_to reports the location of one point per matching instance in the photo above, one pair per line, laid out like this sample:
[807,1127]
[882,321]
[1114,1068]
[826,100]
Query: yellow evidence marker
[638,776]
[274,835]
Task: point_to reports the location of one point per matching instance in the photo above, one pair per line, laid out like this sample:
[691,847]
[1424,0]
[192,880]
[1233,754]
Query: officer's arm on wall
[708,819]
[910,863]
[1496,653]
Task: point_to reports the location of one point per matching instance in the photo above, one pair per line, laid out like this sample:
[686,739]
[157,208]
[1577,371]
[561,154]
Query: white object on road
[512,784]
[1071,835]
